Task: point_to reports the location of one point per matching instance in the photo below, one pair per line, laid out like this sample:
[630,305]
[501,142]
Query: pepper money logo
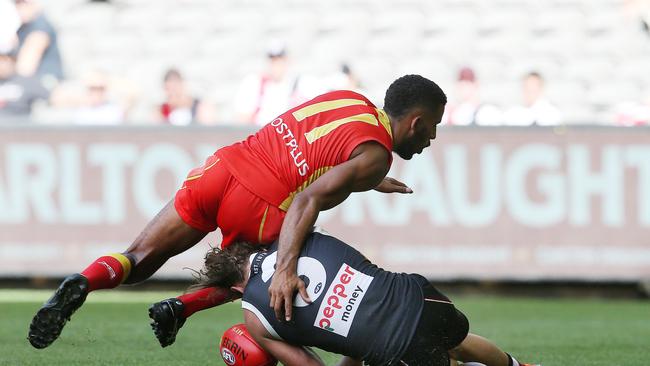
[342,300]
[227,356]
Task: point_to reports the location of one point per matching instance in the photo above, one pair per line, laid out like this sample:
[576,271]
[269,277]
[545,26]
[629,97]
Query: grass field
[113,329]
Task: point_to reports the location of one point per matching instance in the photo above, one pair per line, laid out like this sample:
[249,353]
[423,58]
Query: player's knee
[457,329]
[459,351]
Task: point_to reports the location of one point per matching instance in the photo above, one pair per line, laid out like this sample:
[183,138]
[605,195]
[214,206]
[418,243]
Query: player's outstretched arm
[364,171]
[287,354]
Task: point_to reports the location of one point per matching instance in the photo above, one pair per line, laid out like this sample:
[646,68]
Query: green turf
[112,329]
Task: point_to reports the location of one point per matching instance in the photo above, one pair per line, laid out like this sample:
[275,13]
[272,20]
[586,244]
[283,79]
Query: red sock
[204,299]
[108,271]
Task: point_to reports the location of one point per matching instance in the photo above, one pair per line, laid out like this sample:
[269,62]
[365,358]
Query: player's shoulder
[346,94]
[319,238]
[318,234]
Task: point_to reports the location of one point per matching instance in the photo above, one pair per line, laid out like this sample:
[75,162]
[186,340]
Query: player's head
[415,106]
[227,268]
[238,348]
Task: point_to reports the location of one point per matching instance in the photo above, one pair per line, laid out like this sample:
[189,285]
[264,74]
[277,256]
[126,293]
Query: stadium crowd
[34,87]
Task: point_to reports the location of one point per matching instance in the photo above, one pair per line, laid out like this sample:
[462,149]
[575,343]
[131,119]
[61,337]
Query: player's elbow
[308,202]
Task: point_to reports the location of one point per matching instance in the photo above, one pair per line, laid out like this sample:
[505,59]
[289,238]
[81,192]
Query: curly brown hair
[225,268]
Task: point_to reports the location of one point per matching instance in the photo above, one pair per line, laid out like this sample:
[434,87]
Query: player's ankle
[204,299]
[108,271]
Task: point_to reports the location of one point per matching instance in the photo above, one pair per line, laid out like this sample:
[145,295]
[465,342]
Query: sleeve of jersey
[41,25]
[366,133]
[198,199]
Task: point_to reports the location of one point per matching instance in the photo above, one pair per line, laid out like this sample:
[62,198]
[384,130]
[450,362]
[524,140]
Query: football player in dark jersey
[358,309]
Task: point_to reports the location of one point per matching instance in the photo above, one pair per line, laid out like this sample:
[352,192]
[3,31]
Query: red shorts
[212,198]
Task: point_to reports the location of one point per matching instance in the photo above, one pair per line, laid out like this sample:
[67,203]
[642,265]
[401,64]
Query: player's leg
[165,236]
[441,327]
[241,216]
[476,350]
[176,228]
[444,326]
[168,316]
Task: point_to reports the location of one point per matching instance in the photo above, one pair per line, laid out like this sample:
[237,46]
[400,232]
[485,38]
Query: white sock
[514,361]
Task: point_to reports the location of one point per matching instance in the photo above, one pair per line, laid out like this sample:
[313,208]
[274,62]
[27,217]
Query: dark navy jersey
[357,308]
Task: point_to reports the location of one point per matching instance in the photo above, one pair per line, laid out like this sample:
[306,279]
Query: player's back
[357,308]
[293,150]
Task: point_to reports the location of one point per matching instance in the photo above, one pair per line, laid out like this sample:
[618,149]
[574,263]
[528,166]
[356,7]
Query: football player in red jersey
[270,186]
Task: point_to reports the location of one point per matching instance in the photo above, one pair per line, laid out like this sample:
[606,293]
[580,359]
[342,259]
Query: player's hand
[392,185]
[284,285]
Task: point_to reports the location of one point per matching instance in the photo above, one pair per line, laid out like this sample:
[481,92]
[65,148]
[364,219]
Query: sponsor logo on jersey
[342,300]
[227,356]
[291,142]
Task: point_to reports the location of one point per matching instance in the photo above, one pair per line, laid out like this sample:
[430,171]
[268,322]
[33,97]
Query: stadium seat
[574,43]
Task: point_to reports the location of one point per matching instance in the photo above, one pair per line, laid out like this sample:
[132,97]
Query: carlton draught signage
[487,203]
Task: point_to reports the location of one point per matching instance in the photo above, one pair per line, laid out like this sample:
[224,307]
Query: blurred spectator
[345,79]
[17,93]
[9,24]
[633,113]
[537,110]
[467,108]
[97,105]
[262,97]
[638,11]
[38,51]
[180,107]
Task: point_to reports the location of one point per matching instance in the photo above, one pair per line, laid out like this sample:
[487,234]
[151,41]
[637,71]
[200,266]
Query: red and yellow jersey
[293,150]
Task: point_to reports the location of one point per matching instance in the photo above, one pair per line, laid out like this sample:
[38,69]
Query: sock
[204,299]
[512,361]
[108,271]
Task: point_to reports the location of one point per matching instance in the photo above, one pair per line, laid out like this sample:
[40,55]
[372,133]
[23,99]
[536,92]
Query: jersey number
[310,270]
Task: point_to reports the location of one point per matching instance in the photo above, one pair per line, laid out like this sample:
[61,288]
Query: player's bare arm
[392,185]
[364,171]
[287,354]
